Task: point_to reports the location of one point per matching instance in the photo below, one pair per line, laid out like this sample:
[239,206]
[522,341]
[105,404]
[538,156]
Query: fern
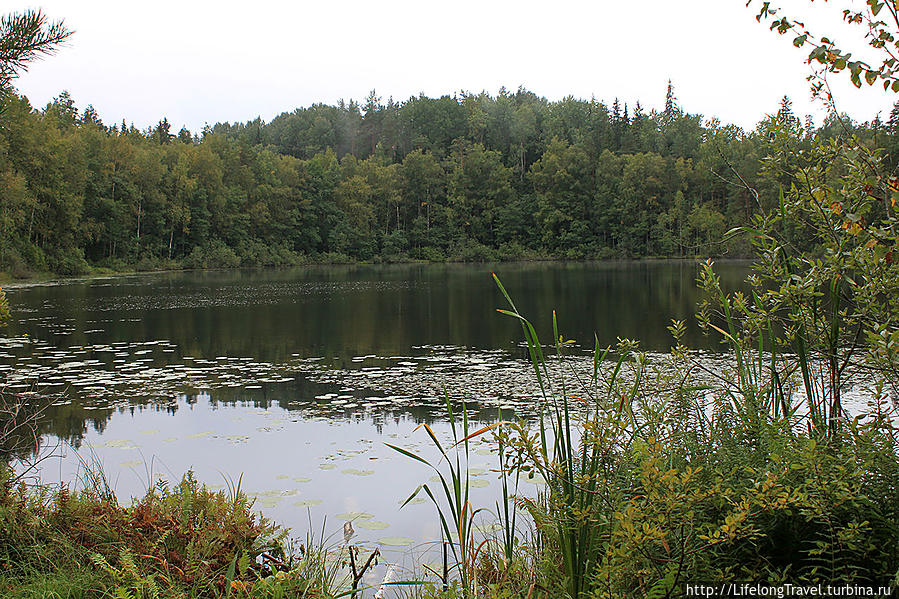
[664,586]
[130,583]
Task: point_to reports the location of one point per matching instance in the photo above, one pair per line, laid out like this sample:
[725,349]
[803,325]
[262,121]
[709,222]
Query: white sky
[200,61]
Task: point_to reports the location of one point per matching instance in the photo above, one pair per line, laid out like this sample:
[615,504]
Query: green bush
[472,251]
[69,262]
[429,253]
[183,541]
[257,253]
[214,255]
[656,477]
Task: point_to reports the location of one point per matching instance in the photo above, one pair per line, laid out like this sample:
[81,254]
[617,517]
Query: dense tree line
[468,177]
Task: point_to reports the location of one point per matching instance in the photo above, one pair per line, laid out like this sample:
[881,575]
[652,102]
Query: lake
[291,381]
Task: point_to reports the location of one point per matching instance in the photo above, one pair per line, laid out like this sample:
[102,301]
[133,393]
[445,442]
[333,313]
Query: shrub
[472,251]
[68,262]
[178,541]
[213,255]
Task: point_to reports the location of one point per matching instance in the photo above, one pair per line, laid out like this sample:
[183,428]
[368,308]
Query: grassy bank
[183,541]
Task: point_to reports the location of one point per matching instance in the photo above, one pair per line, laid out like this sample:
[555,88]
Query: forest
[470,177]
[766,467]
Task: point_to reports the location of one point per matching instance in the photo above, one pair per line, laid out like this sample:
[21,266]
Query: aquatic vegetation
[355,516]
[396,541]
[372,524]
[654,478]
[454,509]
[357,472]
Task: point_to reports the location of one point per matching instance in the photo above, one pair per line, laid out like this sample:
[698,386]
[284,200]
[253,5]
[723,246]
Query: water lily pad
[301,479]
[476,471]
[355,516]
[327,467]
[170,439]
[485,451]
[270,493]
[479,482]
[396,541]
[416,501]
[282,477]
[357,472]
[118,443]
[308,503]
[268,501]
[199,435]
[152,431]
[131,464]
[372,524]
[488,528]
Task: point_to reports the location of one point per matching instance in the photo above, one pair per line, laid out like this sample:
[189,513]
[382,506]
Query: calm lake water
[293,380]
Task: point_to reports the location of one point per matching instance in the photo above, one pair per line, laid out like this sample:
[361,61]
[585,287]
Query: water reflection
[346,311]
[294,379]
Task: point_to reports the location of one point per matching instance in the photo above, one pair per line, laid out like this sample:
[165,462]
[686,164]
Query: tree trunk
[139,208]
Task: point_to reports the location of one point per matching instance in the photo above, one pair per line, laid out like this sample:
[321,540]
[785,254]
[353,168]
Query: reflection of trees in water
[341,313]
[20,425]
[71,421]
[67,422]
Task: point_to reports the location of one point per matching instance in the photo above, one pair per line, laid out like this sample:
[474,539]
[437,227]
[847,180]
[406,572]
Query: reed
[576,450]
[451,499]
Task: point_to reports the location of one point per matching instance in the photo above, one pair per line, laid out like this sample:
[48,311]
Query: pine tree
[162,132]
[90,116]
[25,37]
[638,114]
[785,114]
[671,108]
[893,121]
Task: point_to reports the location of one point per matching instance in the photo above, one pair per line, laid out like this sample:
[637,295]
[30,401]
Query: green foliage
[830,308]
[130,583]
[880,30]
[215,255]
[656,478]
[25,37]
[456,513]
[4,309]
[511,176]
[183,541]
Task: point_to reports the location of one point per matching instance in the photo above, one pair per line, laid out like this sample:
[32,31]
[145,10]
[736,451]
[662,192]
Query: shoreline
[8,281]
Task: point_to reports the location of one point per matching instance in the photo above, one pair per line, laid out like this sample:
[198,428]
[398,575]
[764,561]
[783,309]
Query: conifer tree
[671,108]
[25,37]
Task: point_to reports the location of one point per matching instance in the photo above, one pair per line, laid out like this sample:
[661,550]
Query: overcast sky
[198,61]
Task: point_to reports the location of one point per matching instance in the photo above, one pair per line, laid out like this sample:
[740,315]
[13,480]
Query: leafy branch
[25,37]
[880,22]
